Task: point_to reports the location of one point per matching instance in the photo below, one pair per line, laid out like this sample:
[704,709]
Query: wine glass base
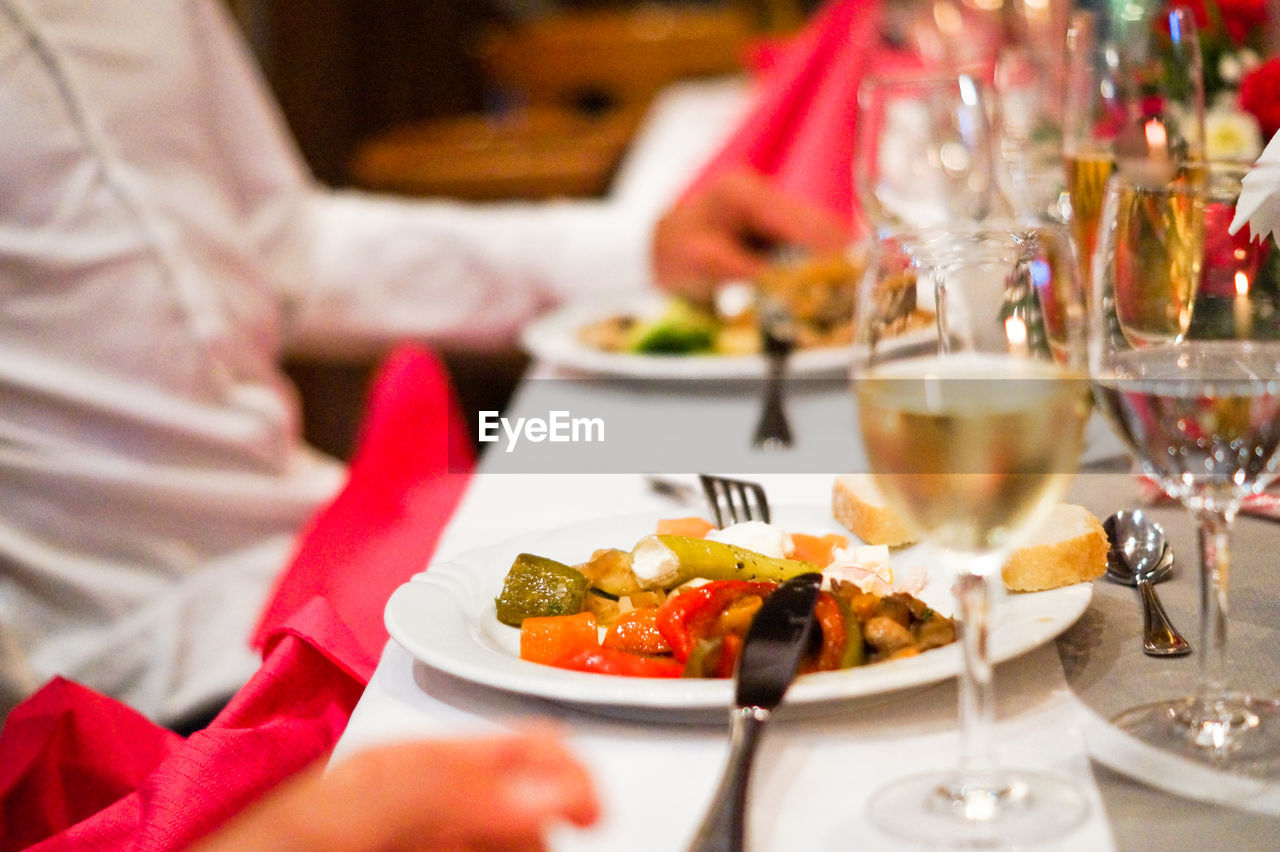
[940,809]
[1231,733]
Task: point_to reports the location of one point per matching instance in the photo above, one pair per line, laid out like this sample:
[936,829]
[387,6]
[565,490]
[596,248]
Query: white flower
[1259,204]
[1230,69]
[1233,66]
[1231,133]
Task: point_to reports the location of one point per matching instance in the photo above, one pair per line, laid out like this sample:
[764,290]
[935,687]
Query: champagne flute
[1135,90]
[973,442]
[922,150]
[1185,359]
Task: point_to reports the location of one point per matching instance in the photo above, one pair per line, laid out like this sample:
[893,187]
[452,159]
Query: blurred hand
[727,228]
[493,793]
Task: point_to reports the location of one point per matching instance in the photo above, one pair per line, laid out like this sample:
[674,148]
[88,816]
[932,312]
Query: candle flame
[1242,284]
[1015,331]
[1157,136]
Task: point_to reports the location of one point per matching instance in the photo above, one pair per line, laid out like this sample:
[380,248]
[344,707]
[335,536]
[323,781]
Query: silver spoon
[1141,556]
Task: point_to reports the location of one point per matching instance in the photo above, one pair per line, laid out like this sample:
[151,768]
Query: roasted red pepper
[714,657]
[729,654]
[614,662]
[829,619]
[691,615]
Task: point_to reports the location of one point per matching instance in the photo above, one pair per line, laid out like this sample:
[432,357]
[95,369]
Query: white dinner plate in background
[554,339]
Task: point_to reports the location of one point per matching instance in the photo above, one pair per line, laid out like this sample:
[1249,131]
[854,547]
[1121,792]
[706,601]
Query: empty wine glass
[973,439]
[1028,135]
[1135,90]
[1185,358]
[922,150]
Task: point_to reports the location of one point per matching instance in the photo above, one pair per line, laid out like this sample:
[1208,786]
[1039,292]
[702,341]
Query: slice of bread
[857,503]
[1069,547]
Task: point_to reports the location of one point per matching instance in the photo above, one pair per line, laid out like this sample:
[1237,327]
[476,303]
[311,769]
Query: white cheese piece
[653,563]
[866,566]
[756,536]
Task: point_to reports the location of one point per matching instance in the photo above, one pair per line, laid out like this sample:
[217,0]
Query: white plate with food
[561,338]
[557,338]
[446,618]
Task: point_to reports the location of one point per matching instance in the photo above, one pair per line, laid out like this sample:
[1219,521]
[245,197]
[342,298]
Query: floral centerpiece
[1241,79]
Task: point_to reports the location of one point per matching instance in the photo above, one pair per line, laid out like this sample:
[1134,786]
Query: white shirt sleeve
[454,274]
[358,270]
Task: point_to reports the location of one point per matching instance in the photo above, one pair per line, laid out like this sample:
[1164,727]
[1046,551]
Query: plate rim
[461,651]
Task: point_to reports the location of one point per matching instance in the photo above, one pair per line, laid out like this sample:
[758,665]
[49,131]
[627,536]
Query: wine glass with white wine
[973,439]
[1185,358]
[1135,91]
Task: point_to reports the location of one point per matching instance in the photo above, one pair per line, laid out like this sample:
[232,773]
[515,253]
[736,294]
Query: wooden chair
[580,83]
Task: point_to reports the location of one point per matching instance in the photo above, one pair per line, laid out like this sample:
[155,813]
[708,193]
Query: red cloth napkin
[81,771]
[413,462]
[801,129]
[84,772]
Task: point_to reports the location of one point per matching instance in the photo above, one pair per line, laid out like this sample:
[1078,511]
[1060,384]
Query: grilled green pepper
[855,650]
[669,560]
[537,586]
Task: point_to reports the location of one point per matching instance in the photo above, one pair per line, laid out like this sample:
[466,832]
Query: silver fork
[733,501]
[778,340]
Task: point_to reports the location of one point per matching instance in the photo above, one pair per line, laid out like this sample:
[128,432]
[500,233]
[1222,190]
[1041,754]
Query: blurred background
[480,100]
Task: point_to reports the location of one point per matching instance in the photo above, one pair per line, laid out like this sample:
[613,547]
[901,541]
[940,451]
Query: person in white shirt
[161,244]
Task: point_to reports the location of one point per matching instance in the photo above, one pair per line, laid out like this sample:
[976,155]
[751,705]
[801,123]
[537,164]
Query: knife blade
[771,654]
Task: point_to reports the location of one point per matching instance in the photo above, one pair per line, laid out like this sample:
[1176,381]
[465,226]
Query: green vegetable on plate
[537,586]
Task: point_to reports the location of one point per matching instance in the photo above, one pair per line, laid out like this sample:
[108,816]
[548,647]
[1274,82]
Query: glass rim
[902,80]
[1185,182]
[1002,226]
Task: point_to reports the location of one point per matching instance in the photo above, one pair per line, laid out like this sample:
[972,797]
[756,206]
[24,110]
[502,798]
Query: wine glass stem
[977,695]
[1213,527]
[940,312]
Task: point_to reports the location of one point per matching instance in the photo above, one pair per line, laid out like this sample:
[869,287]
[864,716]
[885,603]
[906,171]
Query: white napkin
[1259,203]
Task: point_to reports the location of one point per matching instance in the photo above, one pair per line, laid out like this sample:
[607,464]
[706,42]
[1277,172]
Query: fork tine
[713,492]
[735,500]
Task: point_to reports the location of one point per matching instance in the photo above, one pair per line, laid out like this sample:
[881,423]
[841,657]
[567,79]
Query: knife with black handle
[771,654]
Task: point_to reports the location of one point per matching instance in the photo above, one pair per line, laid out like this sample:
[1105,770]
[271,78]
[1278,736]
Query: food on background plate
[818,294]
[1069,547]
[681,329]
[680,605]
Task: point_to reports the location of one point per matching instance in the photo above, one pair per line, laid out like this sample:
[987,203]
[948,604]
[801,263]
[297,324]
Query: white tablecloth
[814,774]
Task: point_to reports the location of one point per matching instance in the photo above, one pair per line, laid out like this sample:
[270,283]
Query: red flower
[1260,95]
[1240,18]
